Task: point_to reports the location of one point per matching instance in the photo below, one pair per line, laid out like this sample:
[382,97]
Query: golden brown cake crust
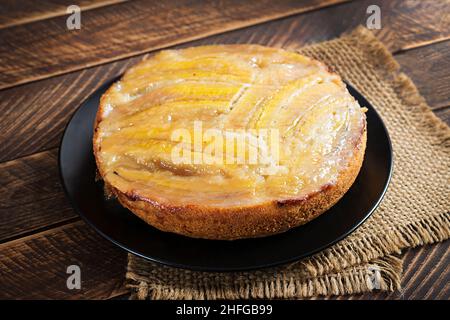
[236,222]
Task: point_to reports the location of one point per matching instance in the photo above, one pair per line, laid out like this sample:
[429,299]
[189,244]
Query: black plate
[117,224]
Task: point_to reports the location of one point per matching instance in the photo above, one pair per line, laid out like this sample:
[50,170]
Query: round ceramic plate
[119,225]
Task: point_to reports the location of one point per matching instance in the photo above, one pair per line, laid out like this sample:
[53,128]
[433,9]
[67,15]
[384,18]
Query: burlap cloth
[415,210]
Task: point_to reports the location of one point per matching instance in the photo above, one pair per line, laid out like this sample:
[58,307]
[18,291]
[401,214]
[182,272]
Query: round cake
[228,141]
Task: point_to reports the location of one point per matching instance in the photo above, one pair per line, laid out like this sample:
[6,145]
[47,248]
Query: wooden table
[47,70]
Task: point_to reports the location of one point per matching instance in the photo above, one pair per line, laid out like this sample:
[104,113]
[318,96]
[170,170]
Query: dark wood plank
[127,29]
[430,277]
[34,114]
[429,68]
[124,30]
[426,275]
[405,25]
[444,114]
[35,267]
[25,11]
[32,196]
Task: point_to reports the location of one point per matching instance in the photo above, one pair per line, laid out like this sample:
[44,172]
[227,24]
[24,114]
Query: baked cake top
[225,126]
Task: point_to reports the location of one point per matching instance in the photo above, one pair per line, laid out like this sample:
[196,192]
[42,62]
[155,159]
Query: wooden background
[46,71]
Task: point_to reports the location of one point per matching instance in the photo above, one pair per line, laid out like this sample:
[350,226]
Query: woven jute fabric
[415,210]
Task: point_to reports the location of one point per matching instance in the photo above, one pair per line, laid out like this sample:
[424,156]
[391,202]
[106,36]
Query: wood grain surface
[124,30]
[32,196]
[444,114]
[25,11]
[40,235]
[36,266]
[426,275]
[429,68]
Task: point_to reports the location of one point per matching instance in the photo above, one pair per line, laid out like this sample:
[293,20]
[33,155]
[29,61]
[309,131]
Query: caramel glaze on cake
[322,134]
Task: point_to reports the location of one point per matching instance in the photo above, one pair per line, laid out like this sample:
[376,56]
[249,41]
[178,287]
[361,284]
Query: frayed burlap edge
[381,274]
